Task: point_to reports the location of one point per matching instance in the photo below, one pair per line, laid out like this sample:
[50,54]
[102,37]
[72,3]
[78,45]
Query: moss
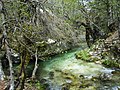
[83,55]
[87,85]
[39,86]
[111,63]
[35,85]
[101,57]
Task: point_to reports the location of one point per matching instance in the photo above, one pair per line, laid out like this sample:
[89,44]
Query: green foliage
[107,62]
[17,9]
[99,12]
[68,10]
[83,55]
[22,33]
[34,85]
[39,86]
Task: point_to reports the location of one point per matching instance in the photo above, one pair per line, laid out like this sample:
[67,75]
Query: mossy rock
[66,86]
[69,77]
[86,84]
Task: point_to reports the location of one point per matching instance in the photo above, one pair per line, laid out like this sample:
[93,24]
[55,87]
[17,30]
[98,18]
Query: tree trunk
[36,65]
[119,27]
[4,38]
[11,68]
[1,71]
[22,72]
[8,54]
[108,15]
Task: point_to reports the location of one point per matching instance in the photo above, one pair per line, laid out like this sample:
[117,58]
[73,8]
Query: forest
[59,44]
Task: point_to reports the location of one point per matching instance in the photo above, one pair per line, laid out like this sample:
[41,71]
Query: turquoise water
[65,68]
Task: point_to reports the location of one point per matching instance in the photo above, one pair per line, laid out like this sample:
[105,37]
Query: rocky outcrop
[57,34]
[105,52]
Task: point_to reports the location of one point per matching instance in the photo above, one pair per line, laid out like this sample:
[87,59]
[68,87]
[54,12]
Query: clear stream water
[66,69]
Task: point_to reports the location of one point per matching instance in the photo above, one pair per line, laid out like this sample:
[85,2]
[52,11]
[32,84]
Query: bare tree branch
[86,15]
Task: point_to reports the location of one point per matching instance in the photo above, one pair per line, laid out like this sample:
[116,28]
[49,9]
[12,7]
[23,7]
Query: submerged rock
[105,76]
[81,76]
[43,81]
[65,87]
[117,72]
[73,74]
[51,75]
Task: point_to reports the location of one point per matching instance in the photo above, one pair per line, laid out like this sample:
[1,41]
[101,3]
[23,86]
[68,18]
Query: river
[65,72]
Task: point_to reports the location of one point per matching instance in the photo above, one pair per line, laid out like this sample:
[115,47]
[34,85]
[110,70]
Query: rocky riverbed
[65,72]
